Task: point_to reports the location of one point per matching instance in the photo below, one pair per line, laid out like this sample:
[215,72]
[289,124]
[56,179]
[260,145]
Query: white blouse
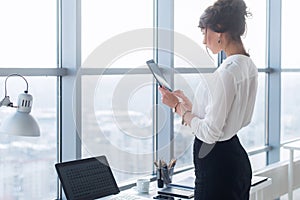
[224,101]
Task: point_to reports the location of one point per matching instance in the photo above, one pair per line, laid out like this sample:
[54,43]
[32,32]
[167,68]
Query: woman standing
[222,167]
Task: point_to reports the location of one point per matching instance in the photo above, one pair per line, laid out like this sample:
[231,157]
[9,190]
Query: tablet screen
[158,75]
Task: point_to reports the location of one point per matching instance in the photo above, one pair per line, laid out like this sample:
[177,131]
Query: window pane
[253,135]
[110,27]
[117,122]
[290,106]
[28,33]
[27,163]
[258,161]
[289,42]
[183,137]
[285,154]
[186,21]
[255,35]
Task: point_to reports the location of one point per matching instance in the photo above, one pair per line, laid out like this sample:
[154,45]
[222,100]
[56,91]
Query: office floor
[296,195]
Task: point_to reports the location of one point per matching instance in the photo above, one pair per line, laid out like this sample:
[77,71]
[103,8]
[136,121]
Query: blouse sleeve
[221,93]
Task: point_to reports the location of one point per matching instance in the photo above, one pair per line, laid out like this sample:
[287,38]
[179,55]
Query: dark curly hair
[226,16]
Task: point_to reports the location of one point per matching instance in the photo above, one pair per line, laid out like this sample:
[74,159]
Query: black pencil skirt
[223,170]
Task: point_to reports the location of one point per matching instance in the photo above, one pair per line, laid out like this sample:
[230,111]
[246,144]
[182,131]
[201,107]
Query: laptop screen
[86,179]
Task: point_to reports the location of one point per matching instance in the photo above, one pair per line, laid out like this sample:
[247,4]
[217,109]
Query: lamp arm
[26,91]
[6,101]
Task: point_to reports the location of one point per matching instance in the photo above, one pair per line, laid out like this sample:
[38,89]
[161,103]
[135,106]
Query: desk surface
[292,145]
[135,195]
[260,186]
[153,188]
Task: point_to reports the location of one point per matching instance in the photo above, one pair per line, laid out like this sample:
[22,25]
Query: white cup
[142,185]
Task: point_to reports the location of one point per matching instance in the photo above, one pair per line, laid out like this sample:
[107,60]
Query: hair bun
[226,16]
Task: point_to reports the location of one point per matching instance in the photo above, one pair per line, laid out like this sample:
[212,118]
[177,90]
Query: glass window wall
[27,163]
[28,34]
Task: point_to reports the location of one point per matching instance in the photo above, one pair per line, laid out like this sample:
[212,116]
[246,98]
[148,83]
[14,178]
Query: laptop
[87,179]
[158,75]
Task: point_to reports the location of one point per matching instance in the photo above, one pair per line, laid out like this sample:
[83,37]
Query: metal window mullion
[164,47]
[136,71]
[155,91]
[71,85]
[274,80]
[68,58]
[34,71]
[290,70]
[59,91]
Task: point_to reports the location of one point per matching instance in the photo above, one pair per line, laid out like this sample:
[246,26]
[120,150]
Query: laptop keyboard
[90,179]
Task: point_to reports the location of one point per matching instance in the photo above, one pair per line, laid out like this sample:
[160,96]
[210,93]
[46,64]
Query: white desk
[136,196]
[256,191]
[291,146]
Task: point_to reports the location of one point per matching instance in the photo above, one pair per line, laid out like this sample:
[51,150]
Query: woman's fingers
[180,94]
[163,90]
[168,97]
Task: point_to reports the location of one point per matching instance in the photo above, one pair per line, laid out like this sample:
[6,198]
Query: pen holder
[160,182]
[167,174]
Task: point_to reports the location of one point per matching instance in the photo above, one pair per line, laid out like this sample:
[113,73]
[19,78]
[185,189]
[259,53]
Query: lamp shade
[20,124]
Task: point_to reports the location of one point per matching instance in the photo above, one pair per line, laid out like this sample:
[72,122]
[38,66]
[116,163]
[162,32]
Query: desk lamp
[20,123]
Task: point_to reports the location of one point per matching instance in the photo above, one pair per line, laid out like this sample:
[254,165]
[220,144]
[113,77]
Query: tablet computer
[177,192]
[158,75]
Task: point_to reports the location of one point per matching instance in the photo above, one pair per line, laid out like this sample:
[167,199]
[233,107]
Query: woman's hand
[172,99]
[168,98]
[185,102]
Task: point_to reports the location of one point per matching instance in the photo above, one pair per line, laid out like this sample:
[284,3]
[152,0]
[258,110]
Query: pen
[156,164]
[160,182]
[172,163]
